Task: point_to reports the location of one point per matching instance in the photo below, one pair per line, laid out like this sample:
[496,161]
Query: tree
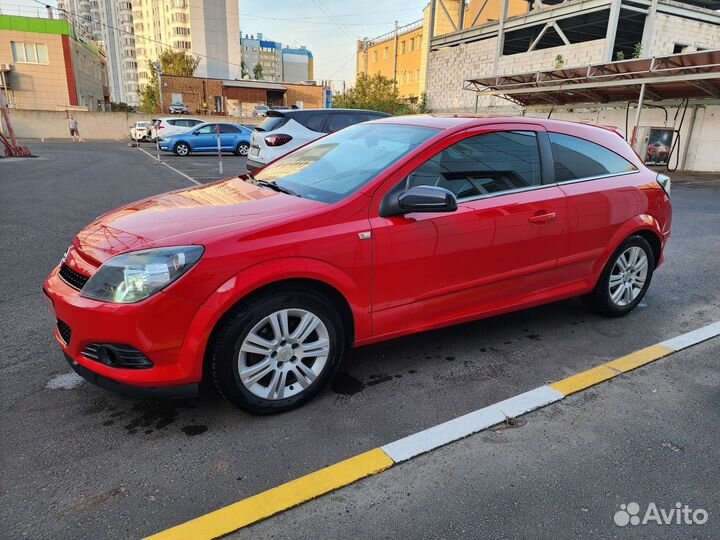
[258,72]
[243,70]
[375,92]
[173,62]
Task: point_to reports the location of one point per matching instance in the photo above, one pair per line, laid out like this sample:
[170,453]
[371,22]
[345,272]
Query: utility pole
[396,54]
[158,69]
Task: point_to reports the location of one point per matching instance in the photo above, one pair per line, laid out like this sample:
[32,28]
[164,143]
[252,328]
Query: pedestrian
[74,133]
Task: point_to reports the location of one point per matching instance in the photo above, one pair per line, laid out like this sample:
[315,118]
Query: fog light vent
[117,355]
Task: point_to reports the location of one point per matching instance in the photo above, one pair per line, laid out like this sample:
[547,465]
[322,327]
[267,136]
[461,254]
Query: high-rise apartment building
[205,28]
[110,23]
[256,50]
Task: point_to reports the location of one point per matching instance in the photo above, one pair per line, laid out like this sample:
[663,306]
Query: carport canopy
[677,76]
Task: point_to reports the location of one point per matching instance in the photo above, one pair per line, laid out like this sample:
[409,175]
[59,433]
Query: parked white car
[167,127]
[283,131]
[140,131]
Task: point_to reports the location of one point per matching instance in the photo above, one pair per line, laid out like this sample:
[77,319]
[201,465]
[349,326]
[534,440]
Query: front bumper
[137,392]
[168,330]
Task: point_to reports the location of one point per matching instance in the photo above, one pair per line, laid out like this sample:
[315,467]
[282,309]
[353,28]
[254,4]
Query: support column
[501,36]
[429,33]
[641,99]
[649,30]
[611,31]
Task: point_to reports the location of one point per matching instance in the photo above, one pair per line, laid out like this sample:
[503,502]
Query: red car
[386,228]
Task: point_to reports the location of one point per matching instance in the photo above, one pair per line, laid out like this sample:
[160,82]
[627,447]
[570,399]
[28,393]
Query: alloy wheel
[283,354]
[628,276]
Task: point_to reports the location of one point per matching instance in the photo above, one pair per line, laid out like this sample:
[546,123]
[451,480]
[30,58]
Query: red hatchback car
[400,225]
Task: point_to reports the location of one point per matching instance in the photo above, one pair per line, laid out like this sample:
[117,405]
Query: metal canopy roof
[691,75]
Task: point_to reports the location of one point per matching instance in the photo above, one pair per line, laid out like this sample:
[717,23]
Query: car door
[205,138]
[229,137]
[601,197]
[497,249]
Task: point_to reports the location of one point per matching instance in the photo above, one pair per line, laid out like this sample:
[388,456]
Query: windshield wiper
[270,185]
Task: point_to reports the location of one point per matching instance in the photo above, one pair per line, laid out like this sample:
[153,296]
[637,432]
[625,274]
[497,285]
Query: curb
[268,503]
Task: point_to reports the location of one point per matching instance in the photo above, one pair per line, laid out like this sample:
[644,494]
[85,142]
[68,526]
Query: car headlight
[132,277]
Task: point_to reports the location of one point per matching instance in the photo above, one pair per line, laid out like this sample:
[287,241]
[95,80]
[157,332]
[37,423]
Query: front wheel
[278,351]
[182,149]
[625,279]
[242,149]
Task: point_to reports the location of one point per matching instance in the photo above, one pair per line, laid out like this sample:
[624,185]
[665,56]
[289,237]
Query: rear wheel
[242,149]
[182,149]
[624,280]
[278,351]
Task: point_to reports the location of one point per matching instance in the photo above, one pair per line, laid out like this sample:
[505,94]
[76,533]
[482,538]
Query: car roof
[290,113]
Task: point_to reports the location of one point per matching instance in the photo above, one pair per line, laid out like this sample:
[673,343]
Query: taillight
[277,140]
[161,127]
[664,182]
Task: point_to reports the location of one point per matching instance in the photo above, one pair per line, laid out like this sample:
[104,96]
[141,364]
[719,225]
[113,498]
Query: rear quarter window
[576,159]
[314,122]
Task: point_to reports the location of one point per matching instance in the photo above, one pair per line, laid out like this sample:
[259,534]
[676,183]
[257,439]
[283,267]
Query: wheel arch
[266,277]
[645,226]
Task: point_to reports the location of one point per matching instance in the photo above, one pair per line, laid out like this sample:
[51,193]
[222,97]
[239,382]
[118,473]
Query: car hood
[188,216]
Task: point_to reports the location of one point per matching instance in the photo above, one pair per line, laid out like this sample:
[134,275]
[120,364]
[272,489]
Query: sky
[329,28]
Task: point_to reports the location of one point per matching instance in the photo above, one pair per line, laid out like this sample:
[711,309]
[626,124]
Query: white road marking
[154,158]
[66,381]
[692,338]
[459,428]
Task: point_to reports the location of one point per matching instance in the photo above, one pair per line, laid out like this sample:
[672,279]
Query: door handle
[542,218]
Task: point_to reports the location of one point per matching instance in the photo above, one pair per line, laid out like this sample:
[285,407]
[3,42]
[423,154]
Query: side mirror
[418,199]
[195,133]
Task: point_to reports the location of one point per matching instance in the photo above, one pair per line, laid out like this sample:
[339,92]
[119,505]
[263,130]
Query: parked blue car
[204,138]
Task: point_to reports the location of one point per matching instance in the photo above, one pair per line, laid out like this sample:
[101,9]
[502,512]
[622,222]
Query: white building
[110,23]
[205,28]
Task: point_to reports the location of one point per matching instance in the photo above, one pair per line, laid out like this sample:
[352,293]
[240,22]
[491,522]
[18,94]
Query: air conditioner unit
[5,67]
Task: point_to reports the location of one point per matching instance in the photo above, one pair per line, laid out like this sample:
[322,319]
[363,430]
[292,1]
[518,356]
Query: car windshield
[338,165]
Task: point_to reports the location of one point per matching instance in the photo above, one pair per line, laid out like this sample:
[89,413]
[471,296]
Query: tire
[276,378]
[182,149]
[624,280]
[242,149]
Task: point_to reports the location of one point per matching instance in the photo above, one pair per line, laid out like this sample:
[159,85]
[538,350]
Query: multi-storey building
[297,64]
[205,28]
[46,64]
[110,23]
[401,54]
[256,50]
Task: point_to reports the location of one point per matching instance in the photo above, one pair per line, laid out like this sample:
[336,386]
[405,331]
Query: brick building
[237,98]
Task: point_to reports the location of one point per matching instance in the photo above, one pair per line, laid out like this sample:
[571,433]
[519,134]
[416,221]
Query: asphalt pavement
[80,462]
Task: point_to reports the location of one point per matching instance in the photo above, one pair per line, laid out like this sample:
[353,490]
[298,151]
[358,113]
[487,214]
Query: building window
[386,53]
[402,47]
[412,44]
[29,53]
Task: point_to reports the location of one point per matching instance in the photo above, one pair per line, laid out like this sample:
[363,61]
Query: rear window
[271,122]
[576,159]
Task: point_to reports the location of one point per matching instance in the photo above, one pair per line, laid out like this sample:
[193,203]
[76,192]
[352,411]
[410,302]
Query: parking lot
[201,167]
[80,462]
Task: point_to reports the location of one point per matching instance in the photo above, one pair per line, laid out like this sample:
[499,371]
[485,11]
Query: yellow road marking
[584,380]
[640,358]
[265,504]
[603,372]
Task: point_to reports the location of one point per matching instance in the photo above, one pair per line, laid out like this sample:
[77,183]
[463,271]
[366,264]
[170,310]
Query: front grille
[117,355]
[64,331]
[75,279]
